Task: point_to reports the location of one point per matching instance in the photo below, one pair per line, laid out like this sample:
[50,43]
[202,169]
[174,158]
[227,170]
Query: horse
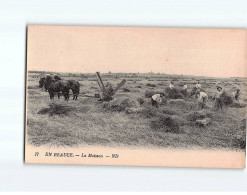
[73,85]
[75,88]
[57,87]
[42,82]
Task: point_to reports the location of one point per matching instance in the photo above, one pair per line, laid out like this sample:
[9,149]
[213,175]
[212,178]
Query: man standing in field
[218,104]
[156,99]
[198,85]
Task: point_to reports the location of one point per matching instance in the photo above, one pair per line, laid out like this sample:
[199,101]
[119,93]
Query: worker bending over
[202,98]
[156,99]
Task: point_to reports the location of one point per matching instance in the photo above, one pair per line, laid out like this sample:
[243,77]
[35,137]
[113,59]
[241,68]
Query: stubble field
[129,120]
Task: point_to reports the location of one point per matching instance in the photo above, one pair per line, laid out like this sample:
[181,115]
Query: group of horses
[57,85]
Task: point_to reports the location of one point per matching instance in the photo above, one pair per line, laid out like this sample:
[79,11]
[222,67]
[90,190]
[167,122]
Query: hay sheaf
[226,99]
[173,93]
[63,109]
[179,119]
[166,124]
[57,109]
[198,115]
[121,104]
[161,120]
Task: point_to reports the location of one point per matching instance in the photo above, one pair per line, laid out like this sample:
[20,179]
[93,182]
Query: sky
[187,51]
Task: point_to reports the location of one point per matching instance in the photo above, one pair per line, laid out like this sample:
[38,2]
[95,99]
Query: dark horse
[75,88]
[43,80]
[73,85]
[58,86]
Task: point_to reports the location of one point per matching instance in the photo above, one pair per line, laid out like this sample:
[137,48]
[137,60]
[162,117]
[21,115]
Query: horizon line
[157,73]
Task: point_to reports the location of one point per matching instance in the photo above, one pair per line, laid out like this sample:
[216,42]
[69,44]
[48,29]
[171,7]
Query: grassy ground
[125,122]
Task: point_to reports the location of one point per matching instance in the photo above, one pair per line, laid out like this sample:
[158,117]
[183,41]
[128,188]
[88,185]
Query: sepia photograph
[136,96]
[123,96]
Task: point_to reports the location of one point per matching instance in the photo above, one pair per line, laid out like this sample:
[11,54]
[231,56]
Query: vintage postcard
[136,96]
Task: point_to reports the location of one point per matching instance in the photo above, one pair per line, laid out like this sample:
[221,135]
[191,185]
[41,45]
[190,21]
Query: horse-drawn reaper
[56,85]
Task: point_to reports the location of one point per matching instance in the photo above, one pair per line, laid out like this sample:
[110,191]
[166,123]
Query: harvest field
[130,120]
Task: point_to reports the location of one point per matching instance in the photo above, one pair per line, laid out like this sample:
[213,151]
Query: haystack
[226,99]
[198,115]
[57,109]
[166,124]
[121,104]
[173,93]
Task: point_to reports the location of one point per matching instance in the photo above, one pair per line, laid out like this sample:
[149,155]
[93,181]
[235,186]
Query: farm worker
[171,86]
[198,85]
[236,94]
[184,90]
[218,103]
[156,99]
[202,98]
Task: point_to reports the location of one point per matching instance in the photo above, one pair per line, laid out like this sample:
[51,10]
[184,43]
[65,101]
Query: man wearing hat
[198,85]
